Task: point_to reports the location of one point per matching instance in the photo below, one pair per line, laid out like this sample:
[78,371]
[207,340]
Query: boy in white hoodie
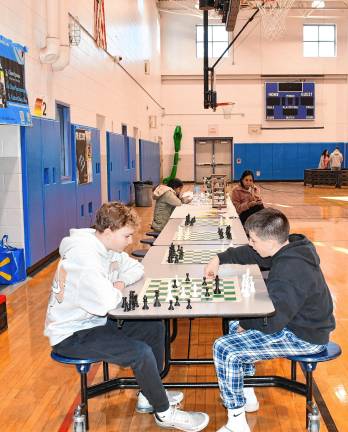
[92,272]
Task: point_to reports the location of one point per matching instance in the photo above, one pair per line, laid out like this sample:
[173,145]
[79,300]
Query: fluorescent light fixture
[318,4]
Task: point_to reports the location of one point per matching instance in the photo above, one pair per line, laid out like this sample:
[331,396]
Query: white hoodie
[88,293]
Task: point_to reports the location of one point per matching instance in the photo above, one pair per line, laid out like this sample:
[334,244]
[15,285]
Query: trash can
[143,193]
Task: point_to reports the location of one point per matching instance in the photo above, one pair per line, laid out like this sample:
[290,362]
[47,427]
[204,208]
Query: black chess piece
[193,219]
[124,299]
[171,307]
[136,303]
[204,283]
[217,285]
[172,247]
[176,301]
[206,294]
[189,306]
[157,303]
[187,277]
[174,284]
[145,305]
[126,306]
[176,259]
[181,253]
[221,233]
[170,258]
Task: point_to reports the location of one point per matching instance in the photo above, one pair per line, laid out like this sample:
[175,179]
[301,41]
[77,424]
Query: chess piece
[217,285]
[176,259]
[176,301]
[175,285]
[169,293]
[206,294]
[194,291]
[145,305]
[189,306]
[183,294]
[126,306]
[181,253]
[187,277]
[157,303]
[171,307]
[124,299]
[204,283]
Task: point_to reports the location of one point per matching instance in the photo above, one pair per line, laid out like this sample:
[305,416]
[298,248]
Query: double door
[213,156]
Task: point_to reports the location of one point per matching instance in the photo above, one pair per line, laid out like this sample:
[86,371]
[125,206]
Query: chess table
[202,235]
[204,211]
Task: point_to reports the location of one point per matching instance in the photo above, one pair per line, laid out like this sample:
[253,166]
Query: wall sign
[14,107]
[84,156]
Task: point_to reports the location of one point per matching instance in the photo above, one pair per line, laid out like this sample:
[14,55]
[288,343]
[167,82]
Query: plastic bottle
[314,420]
[79,420]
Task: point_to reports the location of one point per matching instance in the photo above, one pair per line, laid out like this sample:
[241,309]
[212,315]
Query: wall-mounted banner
[14,107]
[84,156]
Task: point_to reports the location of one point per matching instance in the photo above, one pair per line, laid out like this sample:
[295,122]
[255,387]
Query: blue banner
[14,107]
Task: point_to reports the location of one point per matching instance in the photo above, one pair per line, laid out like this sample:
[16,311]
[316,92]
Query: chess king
[92,272]
[303,316]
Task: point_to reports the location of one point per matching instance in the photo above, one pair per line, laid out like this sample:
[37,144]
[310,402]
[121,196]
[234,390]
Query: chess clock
[289,100]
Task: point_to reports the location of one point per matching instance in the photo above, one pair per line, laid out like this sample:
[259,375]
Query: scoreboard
[290,101]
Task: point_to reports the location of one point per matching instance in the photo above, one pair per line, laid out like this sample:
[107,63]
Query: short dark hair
[115,215]
[175,183]
[245,174]
[269,223]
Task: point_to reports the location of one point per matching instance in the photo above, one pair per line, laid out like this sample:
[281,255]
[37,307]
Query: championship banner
[14,107]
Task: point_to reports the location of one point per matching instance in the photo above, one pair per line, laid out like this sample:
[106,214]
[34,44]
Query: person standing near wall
[246,196]
[336,159]
[324,160]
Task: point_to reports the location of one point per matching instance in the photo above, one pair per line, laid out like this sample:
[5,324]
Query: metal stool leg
[84,399]
[309,394]
[293,370]
[106,371]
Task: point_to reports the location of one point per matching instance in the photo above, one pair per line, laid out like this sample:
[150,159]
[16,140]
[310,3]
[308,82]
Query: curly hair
[115,215]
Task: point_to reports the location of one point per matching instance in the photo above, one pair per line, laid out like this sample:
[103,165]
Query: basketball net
[273,16]
[226,108]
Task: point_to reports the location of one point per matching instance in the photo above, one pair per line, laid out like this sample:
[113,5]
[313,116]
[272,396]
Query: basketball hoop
[273,16]
[226,109]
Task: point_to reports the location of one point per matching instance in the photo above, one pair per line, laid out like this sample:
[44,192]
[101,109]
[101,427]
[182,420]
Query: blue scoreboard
[290,101]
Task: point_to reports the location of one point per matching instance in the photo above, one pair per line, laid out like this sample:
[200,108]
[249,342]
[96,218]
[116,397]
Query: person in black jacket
[303,306]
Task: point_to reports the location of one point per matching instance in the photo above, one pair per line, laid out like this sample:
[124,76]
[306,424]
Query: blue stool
[152,234]
[83,366]
[147,241]
[309,363]
[139,253]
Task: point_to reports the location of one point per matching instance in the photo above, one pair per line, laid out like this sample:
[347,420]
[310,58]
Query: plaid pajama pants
[236,353]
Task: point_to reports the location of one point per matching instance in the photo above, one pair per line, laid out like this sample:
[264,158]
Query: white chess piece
[180,233]
[221,221]
[194,291]
[187,234]
[169,292]
[182,294]
[245,286]
[251,284]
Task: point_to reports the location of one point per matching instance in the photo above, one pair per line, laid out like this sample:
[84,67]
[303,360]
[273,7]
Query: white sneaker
[144,406]
[187,421]
[251,403]
[236,421]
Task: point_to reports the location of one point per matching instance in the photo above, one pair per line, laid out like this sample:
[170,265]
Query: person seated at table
[324,160]
[167,197]
[246,197]
[91,274]
[303,306]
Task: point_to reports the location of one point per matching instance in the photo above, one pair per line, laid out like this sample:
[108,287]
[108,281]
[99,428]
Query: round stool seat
[82,365]
[147,241]
[152,234]
[139,253]
[331,352]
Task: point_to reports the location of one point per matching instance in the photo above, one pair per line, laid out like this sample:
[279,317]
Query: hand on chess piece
[212,268]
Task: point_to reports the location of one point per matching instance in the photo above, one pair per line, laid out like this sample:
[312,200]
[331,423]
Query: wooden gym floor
[38,394]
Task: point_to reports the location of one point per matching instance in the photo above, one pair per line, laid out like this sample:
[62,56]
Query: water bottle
[79,420]
[314,420]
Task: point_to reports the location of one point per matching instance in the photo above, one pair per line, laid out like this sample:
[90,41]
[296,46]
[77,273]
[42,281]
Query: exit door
[213,156]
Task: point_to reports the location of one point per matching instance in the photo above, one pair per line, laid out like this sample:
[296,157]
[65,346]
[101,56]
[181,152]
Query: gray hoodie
[336,159]
[166,201]
[82,289]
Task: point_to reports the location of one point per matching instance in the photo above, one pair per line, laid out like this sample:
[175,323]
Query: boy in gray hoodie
[91,274]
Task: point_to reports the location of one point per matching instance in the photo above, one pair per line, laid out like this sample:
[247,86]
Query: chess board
[190,234]
[195,256]
[229,288]
[209,222]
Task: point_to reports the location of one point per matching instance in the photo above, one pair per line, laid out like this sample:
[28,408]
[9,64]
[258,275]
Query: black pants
[138,344]
[245,214]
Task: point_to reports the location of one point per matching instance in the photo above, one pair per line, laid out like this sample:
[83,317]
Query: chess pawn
[194,293]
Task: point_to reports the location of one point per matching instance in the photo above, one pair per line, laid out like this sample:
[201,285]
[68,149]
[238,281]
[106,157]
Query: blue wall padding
[149,161]
[280,161]
[50,203]
[121,169]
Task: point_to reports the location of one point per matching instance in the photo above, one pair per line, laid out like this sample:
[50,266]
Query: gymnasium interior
[103,100]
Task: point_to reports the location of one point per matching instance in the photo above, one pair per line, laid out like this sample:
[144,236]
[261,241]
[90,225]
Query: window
[217,40]
[319,40]
[63,116]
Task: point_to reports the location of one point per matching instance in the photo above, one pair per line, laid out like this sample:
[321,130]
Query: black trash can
[143,193]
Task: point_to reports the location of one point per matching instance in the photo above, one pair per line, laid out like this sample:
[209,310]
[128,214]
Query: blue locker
[114,164]
[149,161]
